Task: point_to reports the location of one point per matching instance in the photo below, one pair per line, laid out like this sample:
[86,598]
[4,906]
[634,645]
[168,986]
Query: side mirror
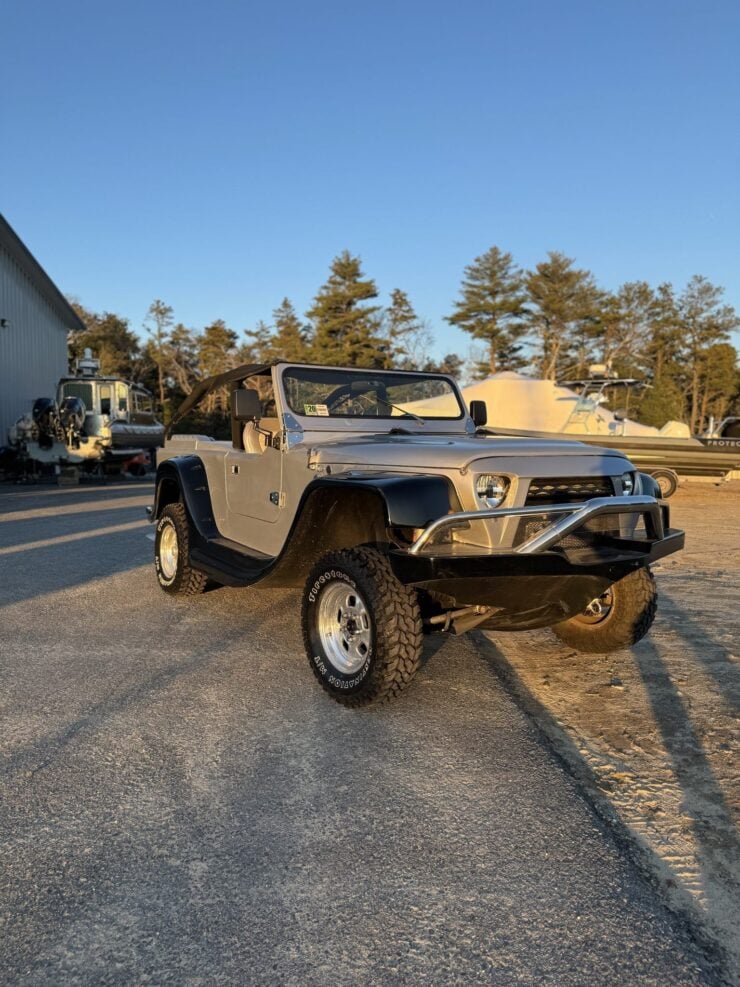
[479,413]
[246,405]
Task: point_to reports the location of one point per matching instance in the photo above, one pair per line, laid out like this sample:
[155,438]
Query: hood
[443,451]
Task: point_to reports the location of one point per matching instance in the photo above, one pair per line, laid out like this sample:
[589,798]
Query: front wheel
[362,628]
[172,554]
[618,618]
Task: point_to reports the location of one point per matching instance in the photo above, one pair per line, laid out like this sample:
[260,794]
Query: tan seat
[257,436]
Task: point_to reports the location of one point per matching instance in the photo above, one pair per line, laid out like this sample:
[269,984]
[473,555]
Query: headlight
[628,483]
[491,488]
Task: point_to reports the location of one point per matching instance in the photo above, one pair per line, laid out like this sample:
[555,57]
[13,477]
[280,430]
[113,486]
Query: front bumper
[541,581]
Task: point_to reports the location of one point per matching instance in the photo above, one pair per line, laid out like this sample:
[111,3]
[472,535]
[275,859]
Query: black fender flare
[186,475]
[343,511]
[649,486]
[334,512]
[409,501]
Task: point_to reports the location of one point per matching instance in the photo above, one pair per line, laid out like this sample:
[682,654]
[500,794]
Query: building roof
[38,277]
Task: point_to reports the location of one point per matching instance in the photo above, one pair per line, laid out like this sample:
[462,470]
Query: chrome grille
[569,490]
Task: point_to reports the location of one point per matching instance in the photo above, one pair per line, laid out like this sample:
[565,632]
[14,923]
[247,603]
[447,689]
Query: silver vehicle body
[300,480]
[255,492]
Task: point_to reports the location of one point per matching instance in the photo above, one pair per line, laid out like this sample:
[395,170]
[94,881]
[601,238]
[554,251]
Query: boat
[96,422]
[576,409]
[119,414]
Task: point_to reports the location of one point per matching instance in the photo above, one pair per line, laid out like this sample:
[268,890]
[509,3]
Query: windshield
[329,393]
[75,389]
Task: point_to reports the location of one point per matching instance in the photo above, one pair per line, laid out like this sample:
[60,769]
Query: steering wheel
[344,391]
[337,396]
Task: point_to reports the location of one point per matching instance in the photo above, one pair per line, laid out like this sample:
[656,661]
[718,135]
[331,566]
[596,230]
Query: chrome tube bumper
[574,515]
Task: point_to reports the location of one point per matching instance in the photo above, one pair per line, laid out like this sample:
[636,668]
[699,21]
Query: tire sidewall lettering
[323,665]
[321,581]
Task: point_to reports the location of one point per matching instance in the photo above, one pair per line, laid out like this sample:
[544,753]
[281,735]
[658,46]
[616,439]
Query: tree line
[553,321]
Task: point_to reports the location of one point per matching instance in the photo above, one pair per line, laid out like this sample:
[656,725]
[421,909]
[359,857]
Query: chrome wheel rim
[168,550]
[344,627]
[598,609]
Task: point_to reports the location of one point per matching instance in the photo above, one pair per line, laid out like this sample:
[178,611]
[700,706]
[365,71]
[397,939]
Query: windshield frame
[374,423]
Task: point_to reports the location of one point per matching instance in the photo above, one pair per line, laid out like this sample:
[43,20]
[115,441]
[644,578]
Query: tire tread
[398,625]
[189,581]
[636,603]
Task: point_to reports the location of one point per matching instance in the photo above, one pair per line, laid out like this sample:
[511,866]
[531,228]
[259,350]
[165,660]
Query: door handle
[234,470]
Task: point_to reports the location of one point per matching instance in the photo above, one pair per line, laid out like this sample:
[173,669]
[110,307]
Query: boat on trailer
[96,423]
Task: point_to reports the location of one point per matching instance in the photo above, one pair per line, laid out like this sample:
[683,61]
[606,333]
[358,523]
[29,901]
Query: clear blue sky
[218,155]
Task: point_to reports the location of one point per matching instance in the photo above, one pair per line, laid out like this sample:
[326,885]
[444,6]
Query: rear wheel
[618,618]
[172,554]
[362,628]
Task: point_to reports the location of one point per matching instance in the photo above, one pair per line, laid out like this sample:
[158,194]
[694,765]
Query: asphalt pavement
[181,803]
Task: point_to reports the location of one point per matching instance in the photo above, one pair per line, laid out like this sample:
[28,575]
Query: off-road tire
[395,620]
[186,580]
[635,601]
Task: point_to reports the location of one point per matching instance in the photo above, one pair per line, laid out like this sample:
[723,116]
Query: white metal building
[34,320]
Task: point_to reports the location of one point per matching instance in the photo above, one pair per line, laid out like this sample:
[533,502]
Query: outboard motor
[72,412]
[72,416]
[46,419]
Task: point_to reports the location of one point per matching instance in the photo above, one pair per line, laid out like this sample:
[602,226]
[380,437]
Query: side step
[228,562]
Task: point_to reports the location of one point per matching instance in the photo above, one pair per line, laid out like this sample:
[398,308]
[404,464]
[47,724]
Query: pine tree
[286,339]
[662,401]
[110,339]
[450,363]
[586,339]
[347,332]
[289,341]
[403,328]
[704,323]
[654,353]
[660,352]
[718,380]
[492,307]
[259,345]
[216,353]
[564,305]
[624,324]
[181,358]
[157,323]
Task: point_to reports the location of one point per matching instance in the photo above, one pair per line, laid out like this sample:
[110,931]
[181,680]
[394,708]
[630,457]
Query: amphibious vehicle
[377,493]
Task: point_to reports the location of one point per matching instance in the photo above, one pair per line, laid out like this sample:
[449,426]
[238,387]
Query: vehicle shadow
[691,766]
[33,756]
[703,801]
[433,644]
[713,656]
[17,534]
[59,544]
[35,572]
[16,499]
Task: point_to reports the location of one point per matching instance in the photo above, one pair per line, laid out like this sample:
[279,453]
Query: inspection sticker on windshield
[316,409]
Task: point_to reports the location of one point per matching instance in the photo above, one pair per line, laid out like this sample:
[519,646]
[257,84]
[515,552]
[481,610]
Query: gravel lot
[654,733]
[181,804]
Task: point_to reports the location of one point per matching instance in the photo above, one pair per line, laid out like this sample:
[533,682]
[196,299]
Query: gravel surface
[180,803]
[654,732]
